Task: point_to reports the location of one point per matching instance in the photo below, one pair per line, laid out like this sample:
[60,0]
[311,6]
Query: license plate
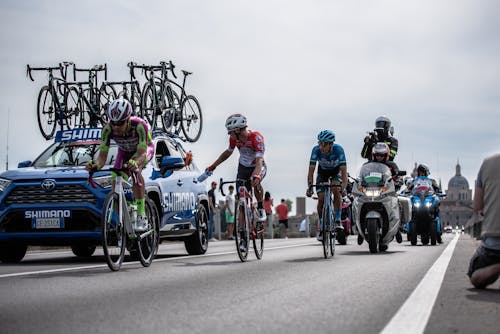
[40,223]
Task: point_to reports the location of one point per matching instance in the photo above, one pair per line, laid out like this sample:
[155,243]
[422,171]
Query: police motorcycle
[425,220]
[376,210]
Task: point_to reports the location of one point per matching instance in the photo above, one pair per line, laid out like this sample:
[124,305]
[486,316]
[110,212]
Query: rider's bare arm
[222,157]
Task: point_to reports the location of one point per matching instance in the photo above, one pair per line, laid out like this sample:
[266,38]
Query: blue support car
[48,201]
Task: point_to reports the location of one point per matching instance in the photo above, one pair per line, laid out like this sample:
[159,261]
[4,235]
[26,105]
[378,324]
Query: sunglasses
[118,123]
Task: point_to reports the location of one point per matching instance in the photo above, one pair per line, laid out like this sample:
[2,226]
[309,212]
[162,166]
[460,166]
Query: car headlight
[4,183]
[103,181]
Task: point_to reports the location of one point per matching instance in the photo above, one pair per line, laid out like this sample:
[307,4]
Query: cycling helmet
[383,122]
[326,136]
[380,149]
[423,168]
[119,110]
[236,121]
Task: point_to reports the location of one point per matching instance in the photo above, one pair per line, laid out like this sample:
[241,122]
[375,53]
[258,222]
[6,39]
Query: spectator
[282,212]
[213,210]
[230,213]
[268,207]
[484,267]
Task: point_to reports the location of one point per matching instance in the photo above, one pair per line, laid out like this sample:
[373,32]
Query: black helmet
[424,169]
[384,123]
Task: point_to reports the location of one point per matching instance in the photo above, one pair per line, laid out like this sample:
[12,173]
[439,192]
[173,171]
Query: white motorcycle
[376,209]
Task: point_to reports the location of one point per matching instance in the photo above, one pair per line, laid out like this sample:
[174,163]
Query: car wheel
[12,252]
[197,243]
[83,250]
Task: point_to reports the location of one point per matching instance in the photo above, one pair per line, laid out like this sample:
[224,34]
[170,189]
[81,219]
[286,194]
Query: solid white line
[136,262]
[413,315]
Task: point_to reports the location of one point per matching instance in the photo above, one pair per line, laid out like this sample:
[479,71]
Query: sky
[293,68]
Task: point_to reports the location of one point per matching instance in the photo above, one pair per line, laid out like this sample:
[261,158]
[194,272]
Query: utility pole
[7,151]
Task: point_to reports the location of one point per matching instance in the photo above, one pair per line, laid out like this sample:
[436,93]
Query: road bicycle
[90,100]
[246,226]
[53,105]
[161,103]
[327,219]
[118,218]
[187,110]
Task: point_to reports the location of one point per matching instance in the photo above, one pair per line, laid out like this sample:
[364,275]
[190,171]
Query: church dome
[458,181]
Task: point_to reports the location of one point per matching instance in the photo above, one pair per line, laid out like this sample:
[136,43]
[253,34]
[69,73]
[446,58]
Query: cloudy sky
[293,67]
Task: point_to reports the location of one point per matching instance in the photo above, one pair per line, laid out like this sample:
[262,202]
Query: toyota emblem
[48,185]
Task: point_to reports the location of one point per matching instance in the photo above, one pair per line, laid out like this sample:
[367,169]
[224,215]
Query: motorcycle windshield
[423,187]
[374,174]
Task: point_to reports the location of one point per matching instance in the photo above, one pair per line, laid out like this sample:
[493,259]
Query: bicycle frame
[327,218]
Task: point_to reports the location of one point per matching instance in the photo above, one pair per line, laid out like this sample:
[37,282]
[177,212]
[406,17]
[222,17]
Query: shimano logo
[78,134]
[180,201]
[35,214]
[48,185]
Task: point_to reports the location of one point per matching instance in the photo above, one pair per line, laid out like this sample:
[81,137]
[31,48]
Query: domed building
[456,207]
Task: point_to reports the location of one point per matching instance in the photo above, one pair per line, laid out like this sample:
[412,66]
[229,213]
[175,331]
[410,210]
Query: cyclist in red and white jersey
[251,163]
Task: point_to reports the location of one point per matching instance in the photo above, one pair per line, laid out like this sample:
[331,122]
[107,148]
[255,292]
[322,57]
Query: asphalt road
[293,289]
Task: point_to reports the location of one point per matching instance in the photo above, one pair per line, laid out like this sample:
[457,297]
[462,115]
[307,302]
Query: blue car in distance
[49,202]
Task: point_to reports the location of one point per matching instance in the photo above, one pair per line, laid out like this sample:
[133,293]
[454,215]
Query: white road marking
[418,307]
[49,271]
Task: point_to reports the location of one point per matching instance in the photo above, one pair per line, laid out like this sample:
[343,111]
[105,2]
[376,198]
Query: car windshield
[73,154]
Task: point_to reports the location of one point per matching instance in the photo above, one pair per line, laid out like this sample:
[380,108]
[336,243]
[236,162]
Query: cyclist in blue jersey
[331,161]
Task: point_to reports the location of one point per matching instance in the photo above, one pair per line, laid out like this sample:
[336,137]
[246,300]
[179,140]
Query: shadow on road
[490,295]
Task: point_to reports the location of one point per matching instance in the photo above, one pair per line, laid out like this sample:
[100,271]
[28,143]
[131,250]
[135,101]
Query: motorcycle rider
[424,172]
[380,153]
[383,132]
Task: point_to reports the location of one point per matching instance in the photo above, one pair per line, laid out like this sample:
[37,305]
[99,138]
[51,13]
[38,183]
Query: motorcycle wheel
[371,226]
[412,235]
[433,232]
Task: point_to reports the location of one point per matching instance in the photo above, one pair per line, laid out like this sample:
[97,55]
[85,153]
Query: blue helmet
[326,136]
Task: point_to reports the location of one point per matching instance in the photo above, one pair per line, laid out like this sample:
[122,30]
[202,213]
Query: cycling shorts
[245,173]
[324,175]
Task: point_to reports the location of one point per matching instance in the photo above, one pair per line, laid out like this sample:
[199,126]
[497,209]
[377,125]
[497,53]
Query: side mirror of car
[171,163]
[24,164]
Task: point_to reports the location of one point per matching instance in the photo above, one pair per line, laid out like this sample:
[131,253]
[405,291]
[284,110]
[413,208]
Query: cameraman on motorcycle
[382,133]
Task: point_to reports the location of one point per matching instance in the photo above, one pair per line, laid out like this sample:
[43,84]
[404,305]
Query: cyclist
[331,161]
[135,149]
[251,163]
[383,132]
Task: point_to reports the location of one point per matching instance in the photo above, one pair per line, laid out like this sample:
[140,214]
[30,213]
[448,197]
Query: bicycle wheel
[191,121]
[171,117]
[106,95]
[46,113]
[113,233]
[152,101]
[258,240]
[327,222]
[73,113]
[242,234]
[147,242]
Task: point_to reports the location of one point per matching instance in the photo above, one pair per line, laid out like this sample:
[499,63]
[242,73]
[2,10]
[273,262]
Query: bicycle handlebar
[61,69]
[222,183]
[94,70]
[135,175]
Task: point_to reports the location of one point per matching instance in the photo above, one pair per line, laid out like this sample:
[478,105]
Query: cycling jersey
[250,150]
[328,162]
[136,137]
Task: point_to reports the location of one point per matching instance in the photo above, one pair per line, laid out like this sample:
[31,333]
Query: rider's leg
[337,203]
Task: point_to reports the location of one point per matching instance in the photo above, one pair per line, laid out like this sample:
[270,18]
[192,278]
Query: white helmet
[119,110]
[236,121]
